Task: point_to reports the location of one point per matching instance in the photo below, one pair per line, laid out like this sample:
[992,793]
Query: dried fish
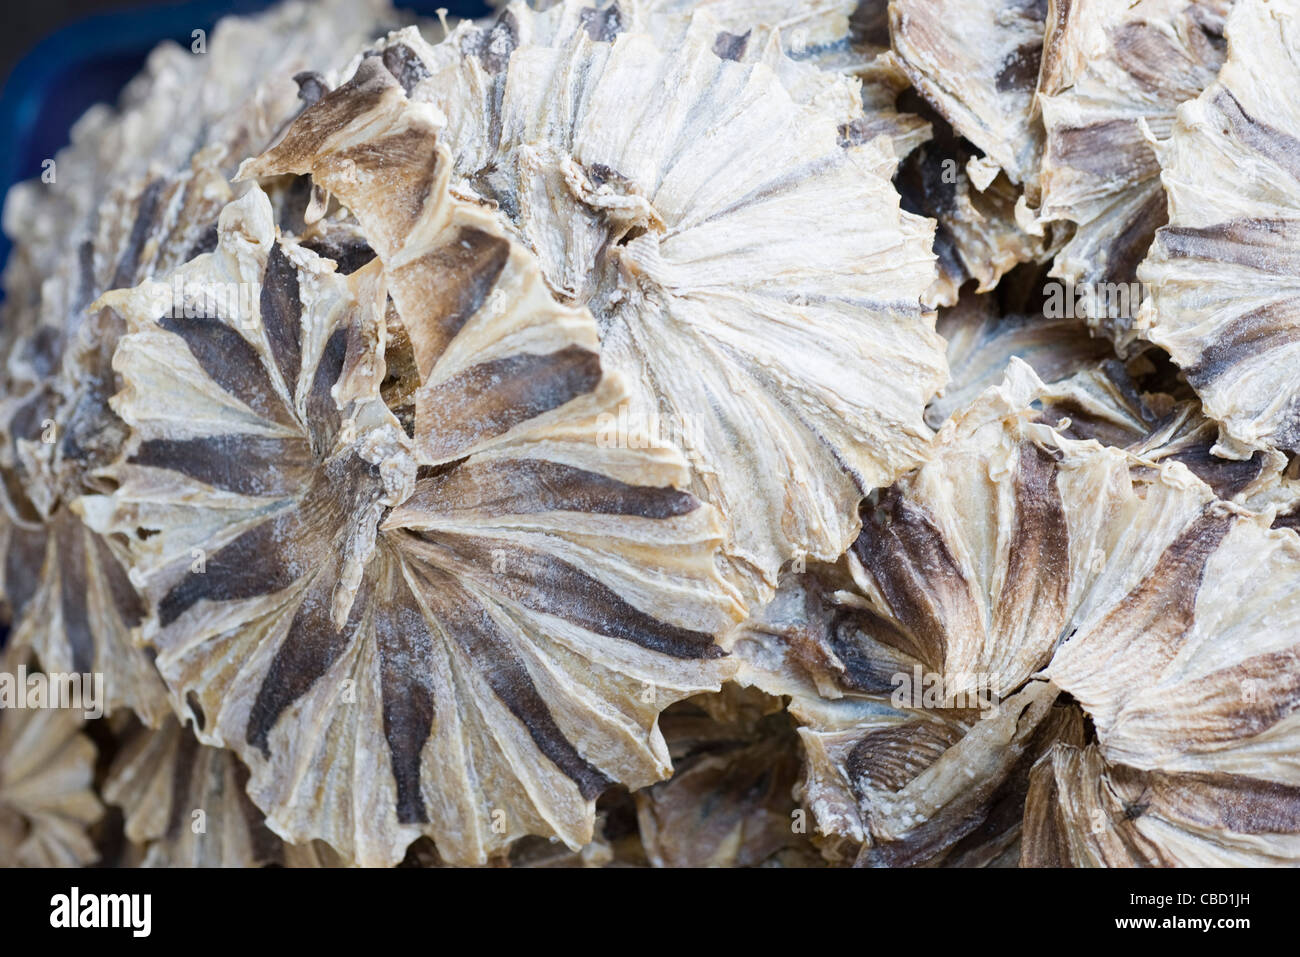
[1223,272]
[471,647]
[1013,555]
[758,286]
[1113,74]
[47,802]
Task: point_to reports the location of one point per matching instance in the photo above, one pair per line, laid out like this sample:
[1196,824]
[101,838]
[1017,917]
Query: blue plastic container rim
[113,44]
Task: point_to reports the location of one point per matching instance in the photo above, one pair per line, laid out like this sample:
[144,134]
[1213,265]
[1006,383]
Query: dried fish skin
[136,194]
[80,618]
[982,340]
[144,170]
[813,47]
[1222,273]
[1002,489]
[1089,394]
[1208,686]
[472,651]
[47,798]
[1113,74]
[631,213]
[184,803]
[977,63]
[1085,812]
[900,785]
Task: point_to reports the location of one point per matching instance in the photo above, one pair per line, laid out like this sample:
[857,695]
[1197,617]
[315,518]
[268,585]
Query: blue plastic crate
[91,61]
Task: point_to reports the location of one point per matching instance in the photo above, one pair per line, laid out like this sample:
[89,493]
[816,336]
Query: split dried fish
[1223,272]
[758,286]
[1113,74]
[1015,555]
[468,634]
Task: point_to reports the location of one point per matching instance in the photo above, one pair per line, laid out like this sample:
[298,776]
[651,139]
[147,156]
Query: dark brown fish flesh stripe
[322,412]
[267,847]
[1019,71]
[1125,252]
[184,778]
[23,563]
[1227,477]
[530,486]
[69,540]
[1275,145]
[405,643]
[253,564]
[247,464]
[405,65]
[494,45]
[489,399]
[552,586]
[475,632]
[926,589]
[467,269]
[1090,148]
[1276,678]
[147,213]
[1037,584]
[1149,56]
[348,255]
[1268,245]
[1160,610]
[281,311]
[1244,339]
[311,646]
[127,602]
[1229,802]
[232,363]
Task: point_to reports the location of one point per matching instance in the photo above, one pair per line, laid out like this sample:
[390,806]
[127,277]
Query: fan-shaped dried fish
[1016,550]
[758,284]
[80,618]
[1083,812]
[486,661]
[47,802]
[1113,73]
[1224,294]
[186,803]
[139,193]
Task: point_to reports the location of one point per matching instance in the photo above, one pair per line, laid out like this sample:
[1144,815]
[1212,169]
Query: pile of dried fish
[664,433]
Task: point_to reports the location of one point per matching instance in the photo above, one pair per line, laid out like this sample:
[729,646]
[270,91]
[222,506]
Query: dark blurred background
[58,57]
